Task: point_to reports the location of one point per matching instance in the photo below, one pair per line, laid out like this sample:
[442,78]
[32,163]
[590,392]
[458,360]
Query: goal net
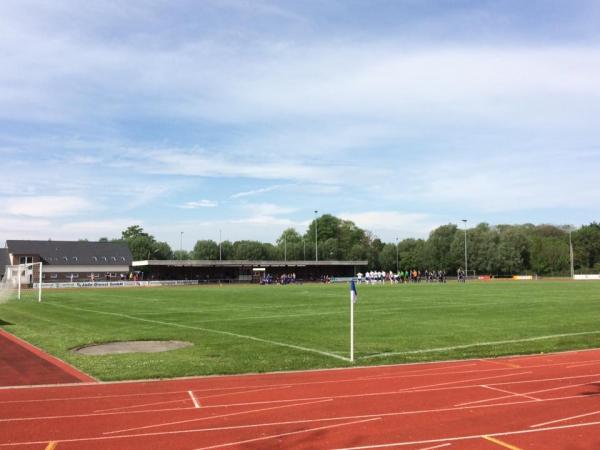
[19,277]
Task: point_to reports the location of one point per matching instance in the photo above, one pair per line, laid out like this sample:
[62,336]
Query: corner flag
[353,293]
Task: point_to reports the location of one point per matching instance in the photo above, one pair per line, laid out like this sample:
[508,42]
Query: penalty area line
[208,330]
[477,344]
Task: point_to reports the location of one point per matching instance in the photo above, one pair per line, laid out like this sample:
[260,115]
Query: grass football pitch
[241,329]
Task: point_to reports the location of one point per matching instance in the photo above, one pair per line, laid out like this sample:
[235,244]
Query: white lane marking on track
[273,436]
[246,391]
[164,424]
[515,394]
[209,330]
[477,344]
[527,393]
[436,446]
[194,400]
[334,397]
[325,419]
[583,364]
[400,413]
[141,405]
[470,437]
[409,374]
[564,419]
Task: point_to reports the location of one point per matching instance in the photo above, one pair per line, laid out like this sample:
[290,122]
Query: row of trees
[500,249]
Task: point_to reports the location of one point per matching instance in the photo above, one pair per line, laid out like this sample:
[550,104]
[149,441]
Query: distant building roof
[74,252]
[243,263]
[4,261]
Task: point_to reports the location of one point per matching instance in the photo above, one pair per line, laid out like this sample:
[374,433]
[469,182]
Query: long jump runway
[536,402]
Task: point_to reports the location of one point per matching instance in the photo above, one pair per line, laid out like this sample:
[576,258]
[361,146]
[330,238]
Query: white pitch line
[273,436]
[194,400]
[477,344]
[218,416]
[470,437]
[210,330]
[515,394]
[564,419]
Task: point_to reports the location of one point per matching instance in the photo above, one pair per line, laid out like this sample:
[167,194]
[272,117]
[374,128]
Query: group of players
[403,276]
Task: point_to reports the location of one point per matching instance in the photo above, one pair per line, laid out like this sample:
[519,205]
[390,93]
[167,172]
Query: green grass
[411,322]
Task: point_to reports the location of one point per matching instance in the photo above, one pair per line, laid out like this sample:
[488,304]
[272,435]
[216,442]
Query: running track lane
[537,402]
[24,364]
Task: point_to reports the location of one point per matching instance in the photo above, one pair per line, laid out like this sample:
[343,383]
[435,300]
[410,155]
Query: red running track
[537,402]
[24,364]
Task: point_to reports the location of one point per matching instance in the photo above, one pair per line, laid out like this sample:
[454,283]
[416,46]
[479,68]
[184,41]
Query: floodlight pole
[397,265]
[304,242]
[181,245]
[220,254]
[466,260]
[284,248]
[316,237]
[571,254]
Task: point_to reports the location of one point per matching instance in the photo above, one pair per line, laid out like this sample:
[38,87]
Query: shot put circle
[112,348]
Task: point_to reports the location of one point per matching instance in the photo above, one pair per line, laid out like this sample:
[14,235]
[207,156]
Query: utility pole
[571,253]
[181,245]
[397,263]
[316,237]
[466,258]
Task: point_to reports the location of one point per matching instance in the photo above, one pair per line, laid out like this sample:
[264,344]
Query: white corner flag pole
[353,296]
[40,284]
[351,328]
[19,283]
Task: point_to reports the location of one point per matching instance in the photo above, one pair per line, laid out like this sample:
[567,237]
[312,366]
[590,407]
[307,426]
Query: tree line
[497,250]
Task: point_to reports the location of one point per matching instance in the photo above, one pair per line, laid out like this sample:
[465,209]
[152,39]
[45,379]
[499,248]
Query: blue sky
[246,117]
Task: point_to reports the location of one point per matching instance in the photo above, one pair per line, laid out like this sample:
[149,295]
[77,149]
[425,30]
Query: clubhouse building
[73,261]
[85,261]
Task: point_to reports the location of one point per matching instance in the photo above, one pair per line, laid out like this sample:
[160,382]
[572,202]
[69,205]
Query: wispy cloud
[45,206]
[256,191]
[199,204]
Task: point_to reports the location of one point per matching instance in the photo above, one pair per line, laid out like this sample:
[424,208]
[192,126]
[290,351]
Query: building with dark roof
[4,261]
[206,271]
[72,260]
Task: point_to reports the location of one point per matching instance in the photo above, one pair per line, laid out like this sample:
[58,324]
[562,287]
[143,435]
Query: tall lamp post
[466,259]
[181,245]
[571,253]
[220,254]
[397,265]
[316,237]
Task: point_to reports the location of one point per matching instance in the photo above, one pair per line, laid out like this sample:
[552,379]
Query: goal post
[17,276]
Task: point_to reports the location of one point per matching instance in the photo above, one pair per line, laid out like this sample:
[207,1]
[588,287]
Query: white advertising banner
[587,277]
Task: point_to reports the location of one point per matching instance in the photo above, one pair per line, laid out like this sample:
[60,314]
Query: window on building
[25,259]
[75,259]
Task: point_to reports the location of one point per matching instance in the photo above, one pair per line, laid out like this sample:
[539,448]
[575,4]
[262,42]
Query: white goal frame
[19,271]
